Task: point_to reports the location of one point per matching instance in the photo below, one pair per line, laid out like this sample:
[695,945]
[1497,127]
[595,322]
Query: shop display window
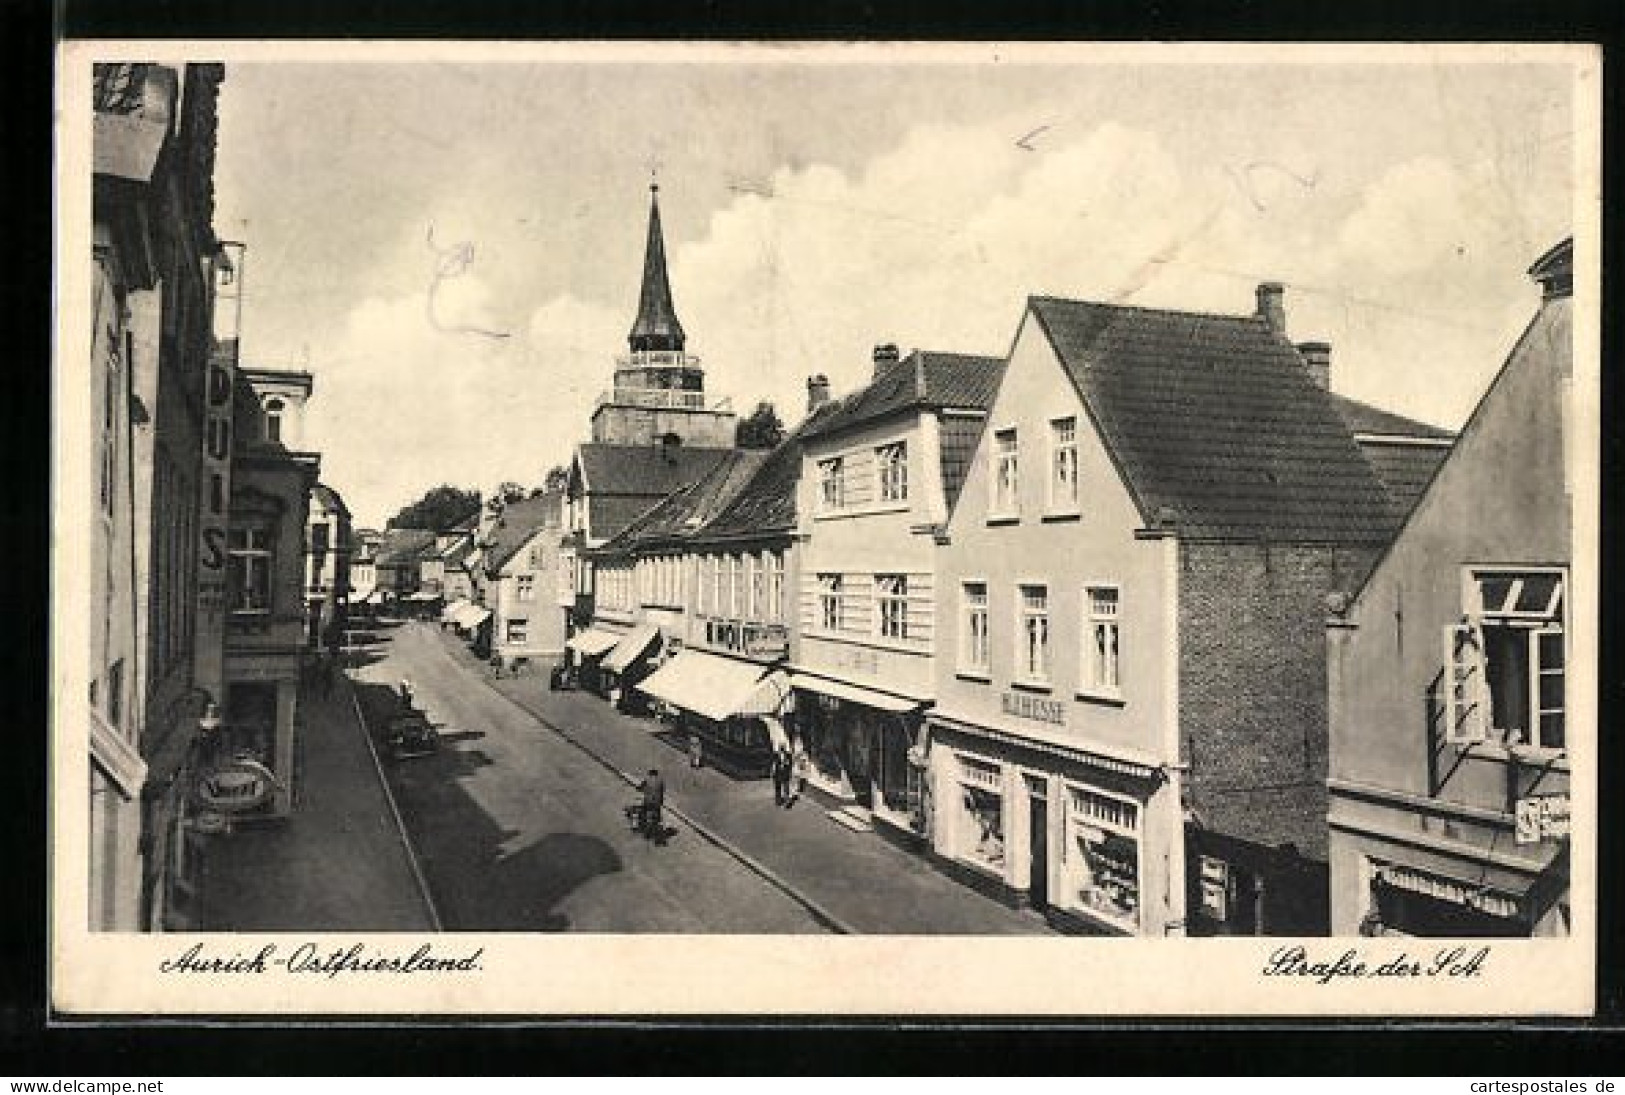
[1103,856]
[985,841]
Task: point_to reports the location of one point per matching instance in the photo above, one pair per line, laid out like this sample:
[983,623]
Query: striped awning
[593,642]
[717,688]
[631,647]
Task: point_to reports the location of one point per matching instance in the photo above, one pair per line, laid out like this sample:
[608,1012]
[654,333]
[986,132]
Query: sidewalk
[339,863]
[869,884]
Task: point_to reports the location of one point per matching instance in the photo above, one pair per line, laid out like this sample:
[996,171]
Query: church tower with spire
[659,395]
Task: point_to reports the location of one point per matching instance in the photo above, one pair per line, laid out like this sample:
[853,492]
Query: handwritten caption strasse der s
[1352,964]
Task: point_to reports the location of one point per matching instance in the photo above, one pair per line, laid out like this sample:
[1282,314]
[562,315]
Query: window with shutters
[1032,623]
[1006,479]
[891,467]
[973,645]
[891,603]
[829,602]
[1101,634]
[1505,661]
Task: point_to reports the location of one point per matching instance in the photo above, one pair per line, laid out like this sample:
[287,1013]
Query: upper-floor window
[1505,661]
[831,483]
[775,587]
[115,694]
[1101,634]
[1063,479]
[248,568]
[518,631]
[829,602]
[973,642]
[891,605]
[525,587]
[758,587]
[273,420]
[735,586]
[891,468]
[1032,626]
[717,588]
[1006,474]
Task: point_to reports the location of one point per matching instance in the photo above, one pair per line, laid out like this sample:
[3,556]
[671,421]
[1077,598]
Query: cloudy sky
[454,249]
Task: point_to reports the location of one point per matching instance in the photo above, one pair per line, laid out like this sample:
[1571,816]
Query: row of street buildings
[217,561]
[1141,625]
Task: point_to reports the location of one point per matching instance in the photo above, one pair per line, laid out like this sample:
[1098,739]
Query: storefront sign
[766,640]
[1541,817]
[236,786]
[1036,708]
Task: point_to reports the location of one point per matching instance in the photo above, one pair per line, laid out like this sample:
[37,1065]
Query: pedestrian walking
[781,776]
[696,749]
[654,802]
[799,763]
[406,694]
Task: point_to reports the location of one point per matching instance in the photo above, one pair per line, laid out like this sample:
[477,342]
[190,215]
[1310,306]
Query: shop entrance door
[1038,822]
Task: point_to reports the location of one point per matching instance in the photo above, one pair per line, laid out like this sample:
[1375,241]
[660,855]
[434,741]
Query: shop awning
[852,693]
[421,595]
[360,594]
[472,616]
[631,647]
[451,610]
[593,642]
[716,688]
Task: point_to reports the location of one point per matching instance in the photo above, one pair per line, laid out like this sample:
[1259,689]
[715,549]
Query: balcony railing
[663,399]
[657,359]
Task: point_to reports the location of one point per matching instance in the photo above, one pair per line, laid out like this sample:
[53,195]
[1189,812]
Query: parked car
[410,734]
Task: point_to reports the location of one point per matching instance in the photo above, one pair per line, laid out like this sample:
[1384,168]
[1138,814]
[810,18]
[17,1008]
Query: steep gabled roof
[1214,422]
[682,513]
[656,327]
[925,378]
[403,545]
[1403,452]
[517,525]
[623,481]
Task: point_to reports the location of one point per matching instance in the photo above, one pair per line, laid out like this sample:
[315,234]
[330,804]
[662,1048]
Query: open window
[1505,662]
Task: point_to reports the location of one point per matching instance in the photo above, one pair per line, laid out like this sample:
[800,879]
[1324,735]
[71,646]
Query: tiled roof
[516,526]
[925,378]
[959,436]
[649,471]
[1214,422]
[680,514]
[623,481]
[1364,418]
[1404,470]
[403,545]
[767,504]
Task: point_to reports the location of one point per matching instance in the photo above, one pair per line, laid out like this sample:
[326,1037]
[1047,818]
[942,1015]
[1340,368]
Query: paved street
[519,828]
[338,863]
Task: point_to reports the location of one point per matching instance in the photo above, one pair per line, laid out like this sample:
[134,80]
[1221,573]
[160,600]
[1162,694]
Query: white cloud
[1416,278]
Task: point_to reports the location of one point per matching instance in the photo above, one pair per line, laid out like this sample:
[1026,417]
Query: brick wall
[1252,684]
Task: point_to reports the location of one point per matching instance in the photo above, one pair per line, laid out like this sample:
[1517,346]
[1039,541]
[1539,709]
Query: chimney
[1272,306]
[817,392]
[1317,358]
[885,354]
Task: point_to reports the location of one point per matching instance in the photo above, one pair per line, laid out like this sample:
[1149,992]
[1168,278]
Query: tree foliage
[762,429]
[506,492]
[557,478]
[438,509]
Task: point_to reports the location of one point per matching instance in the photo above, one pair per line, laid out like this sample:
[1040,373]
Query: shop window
[1103,856]
[1063,482]
[831,484]
[525,587]
[1033,634]
[982,820]
[1102,633]
[891,597]
[829,602]
[1505,661]
[891,467]
[248,569]
[973,645]
[1006,474]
